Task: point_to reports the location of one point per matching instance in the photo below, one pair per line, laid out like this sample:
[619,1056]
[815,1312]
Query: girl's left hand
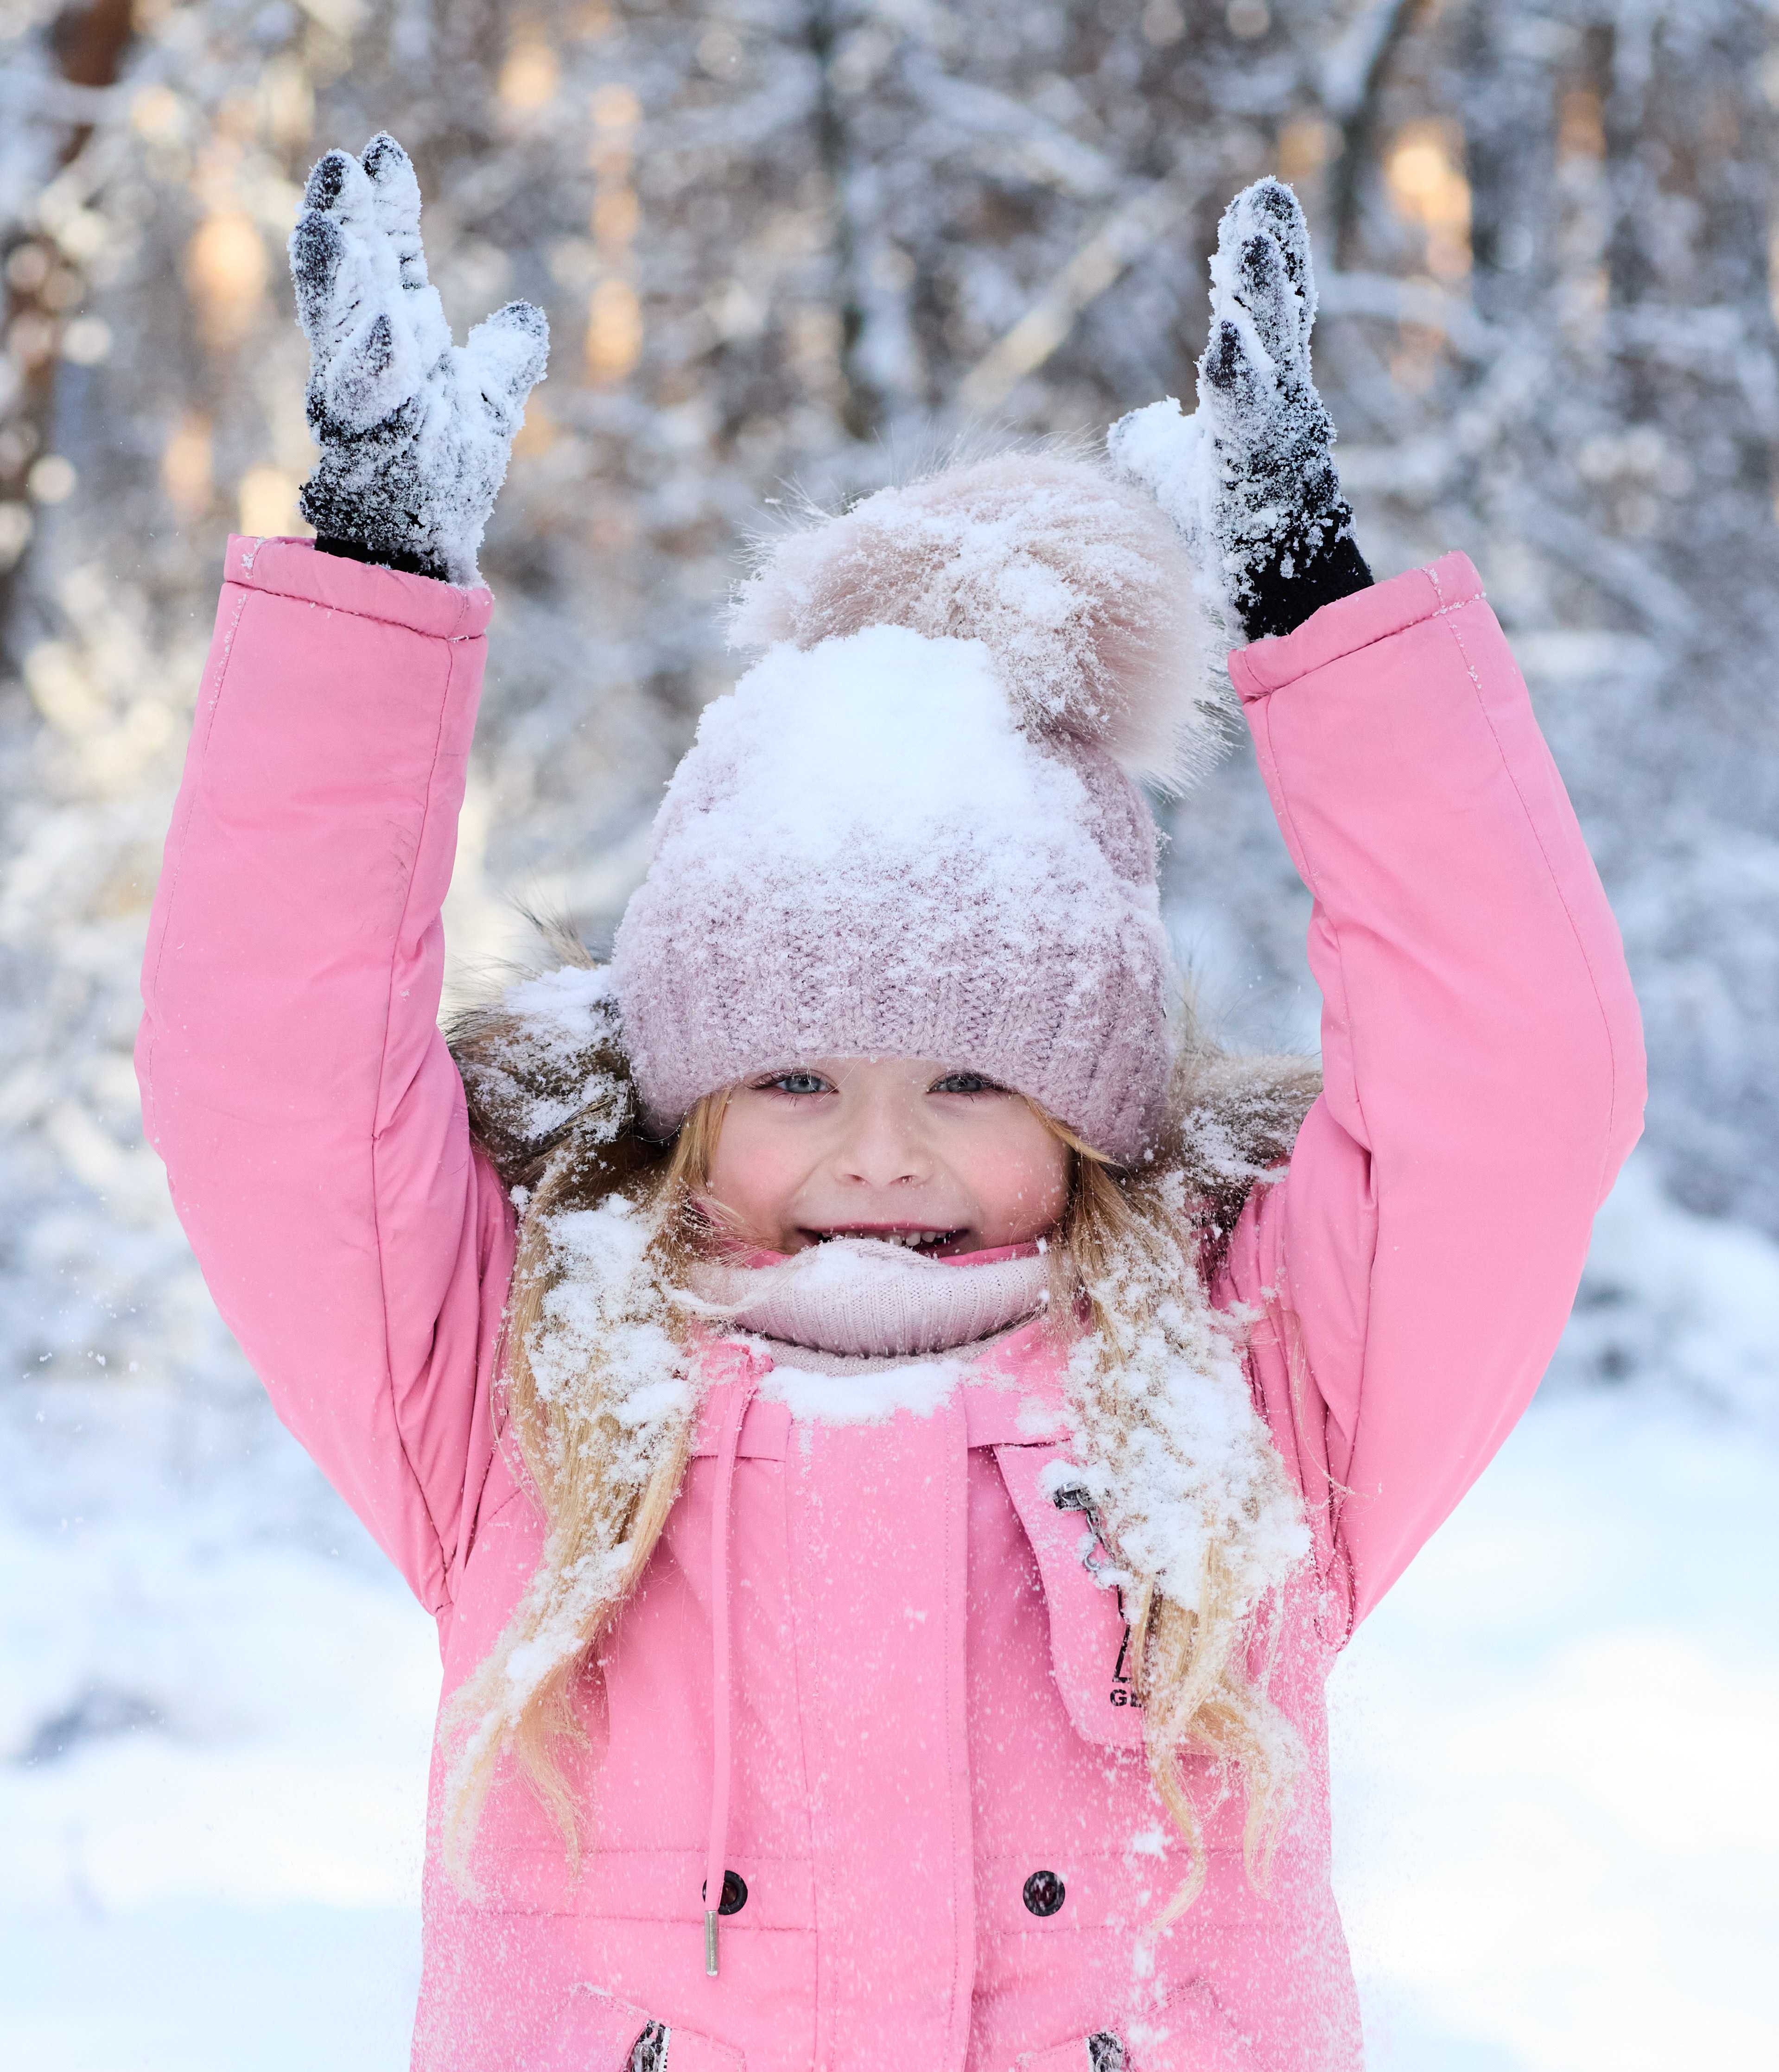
[1277,512]
[1249,479]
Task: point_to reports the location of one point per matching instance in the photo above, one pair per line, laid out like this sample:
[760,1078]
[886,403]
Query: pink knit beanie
[912,829]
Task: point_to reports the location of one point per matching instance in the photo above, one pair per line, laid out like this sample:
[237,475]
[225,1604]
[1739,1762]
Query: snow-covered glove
[414,432]
[1249,479]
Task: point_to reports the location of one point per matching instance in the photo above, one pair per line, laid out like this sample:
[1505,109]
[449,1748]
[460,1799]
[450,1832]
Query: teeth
[909,1240]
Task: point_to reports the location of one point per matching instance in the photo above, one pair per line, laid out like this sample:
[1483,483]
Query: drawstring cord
[715,1867]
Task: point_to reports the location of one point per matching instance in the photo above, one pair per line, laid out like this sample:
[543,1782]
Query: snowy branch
[1043,151]
[1121,239]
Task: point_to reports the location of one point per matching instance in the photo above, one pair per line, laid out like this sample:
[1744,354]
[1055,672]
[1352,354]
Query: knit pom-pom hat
[913,827]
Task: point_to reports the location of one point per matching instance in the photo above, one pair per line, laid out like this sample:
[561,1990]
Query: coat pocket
[1089,1640]
[598,2032]
[1193,2034]
[1190,2035]
[1100,2051]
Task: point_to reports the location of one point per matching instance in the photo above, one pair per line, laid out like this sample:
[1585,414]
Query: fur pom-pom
[1075,582]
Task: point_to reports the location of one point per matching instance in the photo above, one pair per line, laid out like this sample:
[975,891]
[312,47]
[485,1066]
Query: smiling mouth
[910,1237]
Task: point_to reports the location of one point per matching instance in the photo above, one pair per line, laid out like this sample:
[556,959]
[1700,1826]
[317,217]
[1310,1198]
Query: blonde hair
[1127,1245]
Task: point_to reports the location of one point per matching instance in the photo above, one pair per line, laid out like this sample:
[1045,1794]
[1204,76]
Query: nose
[884,1147]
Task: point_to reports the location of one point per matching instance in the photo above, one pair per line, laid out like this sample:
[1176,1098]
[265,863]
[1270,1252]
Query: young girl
[891,1448]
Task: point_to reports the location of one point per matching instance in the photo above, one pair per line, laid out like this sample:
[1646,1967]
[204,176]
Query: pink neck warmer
[858,1297]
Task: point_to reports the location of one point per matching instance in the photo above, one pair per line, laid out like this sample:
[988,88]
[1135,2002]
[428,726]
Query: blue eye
[794,1083]
[965,1083]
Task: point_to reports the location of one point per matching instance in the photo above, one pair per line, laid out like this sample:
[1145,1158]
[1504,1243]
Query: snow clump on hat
[914,828]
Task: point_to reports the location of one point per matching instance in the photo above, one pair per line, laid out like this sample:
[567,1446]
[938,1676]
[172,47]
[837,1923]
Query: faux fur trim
[546,1073]
[1073,579]
[1235,1117]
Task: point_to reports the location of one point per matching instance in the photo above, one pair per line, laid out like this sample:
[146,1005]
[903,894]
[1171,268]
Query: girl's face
[920,1153]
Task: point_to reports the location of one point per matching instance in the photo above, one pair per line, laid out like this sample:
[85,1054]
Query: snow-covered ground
[1558,1821]
[1558,1816]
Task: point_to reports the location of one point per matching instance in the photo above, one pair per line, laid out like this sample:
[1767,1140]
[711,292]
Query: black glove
[1284,529]
[1249,479]
[414,432]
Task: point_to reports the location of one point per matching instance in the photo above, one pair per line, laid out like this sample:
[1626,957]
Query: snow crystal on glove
[414,432]
[1251,478]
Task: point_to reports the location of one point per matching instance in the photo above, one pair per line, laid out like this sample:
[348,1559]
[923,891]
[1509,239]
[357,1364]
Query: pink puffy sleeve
[292,1076]
[1482,1057]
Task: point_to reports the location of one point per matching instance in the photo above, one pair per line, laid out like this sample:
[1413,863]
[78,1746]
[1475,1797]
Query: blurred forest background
[797,242]
[793,244]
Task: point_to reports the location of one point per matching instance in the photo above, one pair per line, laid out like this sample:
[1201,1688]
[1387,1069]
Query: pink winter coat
[935,1796]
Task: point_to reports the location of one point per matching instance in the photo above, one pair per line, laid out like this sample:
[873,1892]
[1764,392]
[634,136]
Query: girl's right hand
[415,431]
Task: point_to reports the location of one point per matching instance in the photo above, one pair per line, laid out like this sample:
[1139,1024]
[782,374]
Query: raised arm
[294,1078]
[1483,1064]
[1482,1058]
